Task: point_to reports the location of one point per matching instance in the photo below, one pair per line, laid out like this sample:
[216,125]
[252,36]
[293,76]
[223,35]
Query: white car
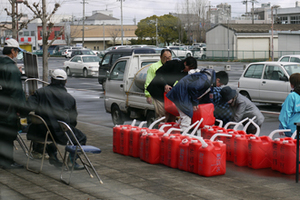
[67,53]
[87,65]
[289,58]
[267,82]
[180,51]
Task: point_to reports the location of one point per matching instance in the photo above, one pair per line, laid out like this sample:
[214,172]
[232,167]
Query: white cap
[59,74]
[12,43]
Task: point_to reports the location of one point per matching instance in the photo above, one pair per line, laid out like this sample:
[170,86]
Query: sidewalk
[125,177]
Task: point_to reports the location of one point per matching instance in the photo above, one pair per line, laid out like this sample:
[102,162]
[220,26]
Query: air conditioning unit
[227,67]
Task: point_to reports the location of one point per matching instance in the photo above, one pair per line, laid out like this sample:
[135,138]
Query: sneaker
[54,161]
[13,166]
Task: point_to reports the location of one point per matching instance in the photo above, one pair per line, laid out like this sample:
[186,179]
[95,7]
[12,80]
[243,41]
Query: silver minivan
[267,82]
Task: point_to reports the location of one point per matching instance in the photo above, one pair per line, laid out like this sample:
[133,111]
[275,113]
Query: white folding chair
[23,146]
[77,150]
[36,119]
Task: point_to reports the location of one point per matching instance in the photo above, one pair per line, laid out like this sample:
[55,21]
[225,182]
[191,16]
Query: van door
[115,85]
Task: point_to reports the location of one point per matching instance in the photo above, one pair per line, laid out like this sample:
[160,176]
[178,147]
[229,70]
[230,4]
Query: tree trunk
[45,42]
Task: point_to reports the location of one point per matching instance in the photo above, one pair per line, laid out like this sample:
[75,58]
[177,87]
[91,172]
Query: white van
[124,93]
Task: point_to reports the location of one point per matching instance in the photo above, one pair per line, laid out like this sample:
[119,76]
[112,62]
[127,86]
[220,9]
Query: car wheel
[116,115]
[150,117]
[203,57]
[85,73]
[103,85]
[246,95]
[188,55]
[69,73]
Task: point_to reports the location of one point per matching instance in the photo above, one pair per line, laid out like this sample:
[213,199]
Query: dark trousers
[7,136]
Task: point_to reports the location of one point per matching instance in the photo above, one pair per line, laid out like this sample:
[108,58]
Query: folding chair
[77,150]
[36,119]
[23,146]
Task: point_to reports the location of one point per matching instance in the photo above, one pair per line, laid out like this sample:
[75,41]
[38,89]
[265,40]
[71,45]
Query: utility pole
[156,33]
[121,21]
[103,37]
[246,2]
[83,23]
[45,41]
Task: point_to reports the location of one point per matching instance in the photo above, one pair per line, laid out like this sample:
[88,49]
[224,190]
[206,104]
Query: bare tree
[40,12]
[114,34]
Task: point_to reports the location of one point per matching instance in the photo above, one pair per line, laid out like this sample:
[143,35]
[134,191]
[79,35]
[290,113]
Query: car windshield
[291,69]
[88,53]
[91,59]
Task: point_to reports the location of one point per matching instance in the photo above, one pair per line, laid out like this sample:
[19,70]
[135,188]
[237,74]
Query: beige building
[95,36]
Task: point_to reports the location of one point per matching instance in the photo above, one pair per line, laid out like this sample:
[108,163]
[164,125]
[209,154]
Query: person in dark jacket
[166,77]
[54,103]
[191,91]
[12,102]
[242,107]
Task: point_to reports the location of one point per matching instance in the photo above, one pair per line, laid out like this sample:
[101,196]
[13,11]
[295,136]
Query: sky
[138,9]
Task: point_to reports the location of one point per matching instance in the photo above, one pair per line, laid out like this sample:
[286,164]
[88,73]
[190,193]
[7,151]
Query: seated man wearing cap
[242,107]
[54,103]
[12,102]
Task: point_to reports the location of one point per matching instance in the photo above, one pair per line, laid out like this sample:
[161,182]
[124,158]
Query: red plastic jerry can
[241,150]
[124,140]
[116,138]
[183,154]
[205,111]
[260,151]
[152,148]
[164,145]
[134,144]
[193,148]
[173,150]
[229,141]
[287,157]
[142,142]
[212,159]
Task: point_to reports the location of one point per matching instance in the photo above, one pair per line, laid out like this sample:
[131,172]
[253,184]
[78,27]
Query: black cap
[227,93]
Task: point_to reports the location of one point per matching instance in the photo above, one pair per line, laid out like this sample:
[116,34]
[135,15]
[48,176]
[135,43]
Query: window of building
[56,33]
[97,47]
[32,33]
[295,19]
[94,47]
[26,33]
[41,33]
[283,20]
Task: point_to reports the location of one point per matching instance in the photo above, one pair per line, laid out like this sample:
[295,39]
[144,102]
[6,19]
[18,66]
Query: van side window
[118,71]
[285,59]
[106,59]
[254,71]
[115,57]
[273,73]
[294,59]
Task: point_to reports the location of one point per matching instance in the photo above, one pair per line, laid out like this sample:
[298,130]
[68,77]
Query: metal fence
[224,55]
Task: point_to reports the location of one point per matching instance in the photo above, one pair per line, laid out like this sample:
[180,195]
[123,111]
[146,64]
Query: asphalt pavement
[126,177]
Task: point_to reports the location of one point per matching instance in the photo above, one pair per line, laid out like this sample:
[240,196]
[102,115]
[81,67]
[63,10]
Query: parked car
[158,50]
[76,52]
[67,53]
[289,58]
[87,65]
[199,52]
[110,57]
[267,82]
[180,51]
[38,52]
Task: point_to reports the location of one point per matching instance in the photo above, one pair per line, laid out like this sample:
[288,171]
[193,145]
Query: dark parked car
[110,57]
[82,52]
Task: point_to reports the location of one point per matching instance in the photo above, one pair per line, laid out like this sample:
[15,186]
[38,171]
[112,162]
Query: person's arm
[149,78]
[73,114]
[286,112]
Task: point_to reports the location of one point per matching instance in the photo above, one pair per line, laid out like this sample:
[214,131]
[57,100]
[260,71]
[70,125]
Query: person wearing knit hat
[290,109]
[242,108]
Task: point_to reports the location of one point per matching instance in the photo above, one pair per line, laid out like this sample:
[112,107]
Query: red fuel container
[193,148]
[164,145]
[241,150]
[205,111]
[229,141]
[276,146]
[173,150]
[260,152]
[134,145]
[183,154]
[168,125]
[124,140]
[116,138]
[212,159]
[142,145]
[287,157]
[152,146]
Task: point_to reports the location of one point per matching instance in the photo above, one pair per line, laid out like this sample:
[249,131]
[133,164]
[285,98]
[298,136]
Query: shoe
[76,165]
[54,161]
[13,166]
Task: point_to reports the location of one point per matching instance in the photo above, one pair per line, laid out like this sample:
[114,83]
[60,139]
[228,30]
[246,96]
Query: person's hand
[149,100]
[167,88]
[195,108]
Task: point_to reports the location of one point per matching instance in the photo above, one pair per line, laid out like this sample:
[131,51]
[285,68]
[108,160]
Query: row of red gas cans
[257,152]
[174,150]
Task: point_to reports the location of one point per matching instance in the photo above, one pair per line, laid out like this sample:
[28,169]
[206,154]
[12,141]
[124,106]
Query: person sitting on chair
[54,103]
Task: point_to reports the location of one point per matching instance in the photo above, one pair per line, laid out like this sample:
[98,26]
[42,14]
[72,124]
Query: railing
[248,56]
